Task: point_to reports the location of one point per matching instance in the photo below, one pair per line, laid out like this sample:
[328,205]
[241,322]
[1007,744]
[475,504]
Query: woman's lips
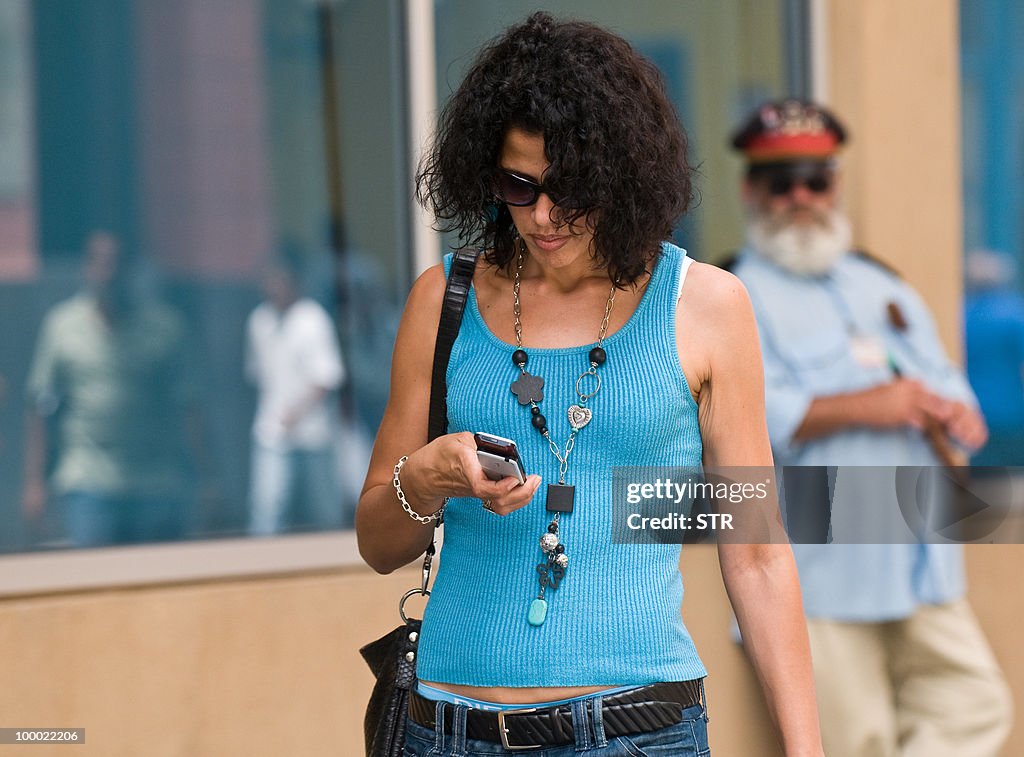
[549,243]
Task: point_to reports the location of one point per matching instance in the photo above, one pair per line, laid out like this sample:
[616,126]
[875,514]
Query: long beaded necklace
[529,390]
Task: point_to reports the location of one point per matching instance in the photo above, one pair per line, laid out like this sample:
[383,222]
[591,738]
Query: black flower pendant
[528,388]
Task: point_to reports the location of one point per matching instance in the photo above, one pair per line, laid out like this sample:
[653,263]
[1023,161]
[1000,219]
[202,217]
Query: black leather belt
[640,710]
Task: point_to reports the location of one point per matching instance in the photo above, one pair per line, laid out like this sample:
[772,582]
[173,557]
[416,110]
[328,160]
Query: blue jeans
[95,520]
[278,476]
[688,738]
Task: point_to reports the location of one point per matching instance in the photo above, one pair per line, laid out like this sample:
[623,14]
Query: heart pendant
[579,416]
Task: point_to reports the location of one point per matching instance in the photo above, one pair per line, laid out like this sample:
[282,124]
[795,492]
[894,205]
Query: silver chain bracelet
[405,503]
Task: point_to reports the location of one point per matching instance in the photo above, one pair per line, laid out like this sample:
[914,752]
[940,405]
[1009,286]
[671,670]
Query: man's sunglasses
[780,184]
[516,190]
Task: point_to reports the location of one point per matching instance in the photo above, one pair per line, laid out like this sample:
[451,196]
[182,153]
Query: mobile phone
[499,457]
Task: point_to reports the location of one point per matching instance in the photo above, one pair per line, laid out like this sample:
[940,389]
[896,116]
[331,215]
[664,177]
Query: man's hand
[901,403]
[966,426]
[904,402]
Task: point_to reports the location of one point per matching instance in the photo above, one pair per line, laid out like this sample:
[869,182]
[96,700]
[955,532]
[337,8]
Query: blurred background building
[209,134]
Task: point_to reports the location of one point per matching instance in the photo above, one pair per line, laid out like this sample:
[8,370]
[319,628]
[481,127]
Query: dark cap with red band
[789,130]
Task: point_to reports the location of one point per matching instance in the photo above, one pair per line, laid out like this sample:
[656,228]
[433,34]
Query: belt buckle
[503,731]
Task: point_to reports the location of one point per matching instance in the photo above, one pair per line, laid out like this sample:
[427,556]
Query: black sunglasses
[780,184]
[516,190]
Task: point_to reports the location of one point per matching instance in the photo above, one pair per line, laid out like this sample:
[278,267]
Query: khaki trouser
[926,686]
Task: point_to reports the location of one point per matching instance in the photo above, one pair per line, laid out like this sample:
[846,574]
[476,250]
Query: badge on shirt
[868,351]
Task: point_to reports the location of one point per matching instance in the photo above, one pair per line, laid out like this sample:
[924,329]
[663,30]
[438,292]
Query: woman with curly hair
[591,341]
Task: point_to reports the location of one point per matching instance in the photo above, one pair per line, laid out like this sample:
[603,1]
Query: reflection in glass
[204,139]
[110,400]
[201,136]
[293,359]
[992,91]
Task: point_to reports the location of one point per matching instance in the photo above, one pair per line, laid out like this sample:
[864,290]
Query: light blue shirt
[832,334]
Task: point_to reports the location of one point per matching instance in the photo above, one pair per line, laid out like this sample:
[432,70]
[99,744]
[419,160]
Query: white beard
[806,249]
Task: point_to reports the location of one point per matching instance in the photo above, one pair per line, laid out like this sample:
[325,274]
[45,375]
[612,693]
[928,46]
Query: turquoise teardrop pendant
[538,612]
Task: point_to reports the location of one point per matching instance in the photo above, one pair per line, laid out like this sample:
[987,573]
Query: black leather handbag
[392,658]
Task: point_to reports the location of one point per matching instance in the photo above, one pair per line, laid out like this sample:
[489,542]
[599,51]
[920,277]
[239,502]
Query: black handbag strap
[456,292]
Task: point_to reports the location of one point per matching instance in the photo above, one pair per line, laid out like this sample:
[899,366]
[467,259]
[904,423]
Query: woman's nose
[544,211]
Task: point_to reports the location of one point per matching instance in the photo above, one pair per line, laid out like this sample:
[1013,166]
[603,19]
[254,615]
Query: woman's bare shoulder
[427,292]
[423,306]
[428,289]
[713,290]
[714,304]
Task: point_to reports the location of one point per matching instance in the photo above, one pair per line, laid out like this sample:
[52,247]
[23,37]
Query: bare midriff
[507,695]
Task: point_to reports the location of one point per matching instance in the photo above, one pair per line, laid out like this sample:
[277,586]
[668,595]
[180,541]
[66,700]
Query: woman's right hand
[448,467]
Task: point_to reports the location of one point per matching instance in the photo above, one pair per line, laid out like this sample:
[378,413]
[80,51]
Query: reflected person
[293,359]
[110,378]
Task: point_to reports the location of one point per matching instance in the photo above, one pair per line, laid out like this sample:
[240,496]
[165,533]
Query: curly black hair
[616,148]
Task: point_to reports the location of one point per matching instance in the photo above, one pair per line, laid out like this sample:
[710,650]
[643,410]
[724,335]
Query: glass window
[205,235]
[992,81]
[204,221]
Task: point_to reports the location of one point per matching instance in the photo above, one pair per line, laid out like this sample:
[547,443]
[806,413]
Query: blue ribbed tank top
[615,618]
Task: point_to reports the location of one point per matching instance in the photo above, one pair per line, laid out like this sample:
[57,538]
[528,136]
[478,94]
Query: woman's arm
[447,467]
[762,584]
[719,348]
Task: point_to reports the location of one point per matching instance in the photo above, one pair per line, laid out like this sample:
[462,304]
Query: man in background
[111,380]
[293,358]
[855,375]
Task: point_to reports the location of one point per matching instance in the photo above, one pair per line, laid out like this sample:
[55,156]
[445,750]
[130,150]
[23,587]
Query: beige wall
[894,79]
[254,667]
[269,666]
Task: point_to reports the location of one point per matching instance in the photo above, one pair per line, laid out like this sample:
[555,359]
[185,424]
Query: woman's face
[549,238]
